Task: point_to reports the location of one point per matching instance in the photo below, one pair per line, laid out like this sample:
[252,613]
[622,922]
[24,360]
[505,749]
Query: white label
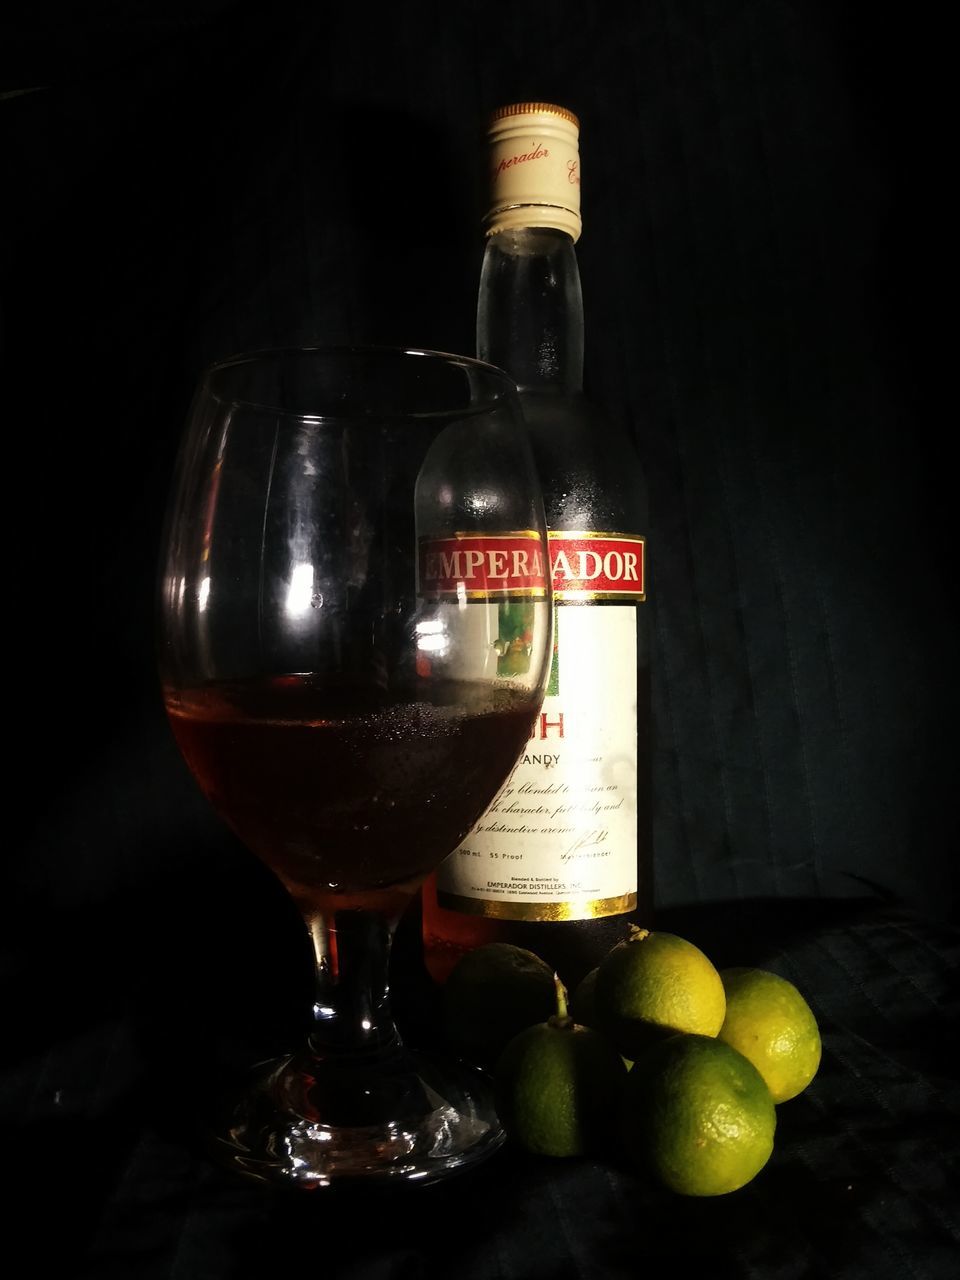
[559,841]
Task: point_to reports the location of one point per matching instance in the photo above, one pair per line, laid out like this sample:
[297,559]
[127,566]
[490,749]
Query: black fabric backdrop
[183,181]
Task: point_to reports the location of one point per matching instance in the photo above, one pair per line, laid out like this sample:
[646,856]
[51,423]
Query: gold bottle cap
[534,168]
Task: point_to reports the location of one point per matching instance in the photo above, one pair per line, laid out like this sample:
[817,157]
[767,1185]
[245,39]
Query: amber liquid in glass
[350,794]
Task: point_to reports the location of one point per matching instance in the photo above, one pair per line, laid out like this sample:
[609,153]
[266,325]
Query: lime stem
[561,1020]
[562,1014]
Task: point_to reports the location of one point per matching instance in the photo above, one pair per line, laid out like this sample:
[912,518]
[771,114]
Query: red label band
[584,566]
[482,566]
[597,566]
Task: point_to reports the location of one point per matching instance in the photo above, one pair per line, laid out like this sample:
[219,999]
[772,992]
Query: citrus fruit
[583,1000]
[557,1086]
[769,1022]
[653,986]
[492,993]
[583,1005]
[698,1115]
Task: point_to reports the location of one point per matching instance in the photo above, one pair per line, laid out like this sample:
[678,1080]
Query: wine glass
[354,640]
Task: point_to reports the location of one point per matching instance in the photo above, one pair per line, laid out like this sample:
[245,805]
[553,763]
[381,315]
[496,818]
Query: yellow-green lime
[769,1022]
[698,1115]
[492,993]
[653,986]
[558,1087]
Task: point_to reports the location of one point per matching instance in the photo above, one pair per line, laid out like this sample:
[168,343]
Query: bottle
[561,861]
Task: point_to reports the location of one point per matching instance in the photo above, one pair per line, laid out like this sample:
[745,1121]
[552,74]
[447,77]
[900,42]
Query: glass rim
[503,386]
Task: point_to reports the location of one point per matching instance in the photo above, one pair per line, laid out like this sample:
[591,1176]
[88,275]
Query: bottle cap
[534,168]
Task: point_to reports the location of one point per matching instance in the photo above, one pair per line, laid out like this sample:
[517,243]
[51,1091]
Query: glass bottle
[561,863]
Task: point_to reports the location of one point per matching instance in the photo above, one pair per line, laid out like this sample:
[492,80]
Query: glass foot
[312,1124]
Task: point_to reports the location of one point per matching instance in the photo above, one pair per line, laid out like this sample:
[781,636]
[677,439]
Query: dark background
[761,243]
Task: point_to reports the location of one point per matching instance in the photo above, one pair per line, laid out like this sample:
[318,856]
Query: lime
[769,1022]
[558,1086]
[698,1115]
[583,1006]
[653,986]
[492,993]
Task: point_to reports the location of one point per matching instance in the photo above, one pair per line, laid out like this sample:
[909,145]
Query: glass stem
[351,1009]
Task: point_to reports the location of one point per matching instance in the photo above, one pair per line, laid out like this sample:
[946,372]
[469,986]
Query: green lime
[653,986]
[492,993]
[769,1022]
[698,1115]
[583,1005]
[558,1086]
[583,1000]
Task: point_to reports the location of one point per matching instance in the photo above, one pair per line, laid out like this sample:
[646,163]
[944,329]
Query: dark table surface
[104,1130]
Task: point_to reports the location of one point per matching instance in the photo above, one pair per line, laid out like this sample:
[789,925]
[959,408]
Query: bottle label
[596,566]
[559,841]
[469,566]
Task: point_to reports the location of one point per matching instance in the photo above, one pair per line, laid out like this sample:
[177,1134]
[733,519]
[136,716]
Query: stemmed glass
[354,638]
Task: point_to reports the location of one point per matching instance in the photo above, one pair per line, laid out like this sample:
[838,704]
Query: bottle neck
[530,310]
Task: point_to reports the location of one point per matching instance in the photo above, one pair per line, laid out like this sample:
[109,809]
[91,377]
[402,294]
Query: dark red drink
[350,794]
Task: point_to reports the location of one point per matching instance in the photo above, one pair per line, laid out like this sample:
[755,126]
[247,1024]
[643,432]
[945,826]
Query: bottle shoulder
[590,473]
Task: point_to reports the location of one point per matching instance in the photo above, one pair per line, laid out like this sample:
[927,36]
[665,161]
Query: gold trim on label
[458,535]
[574,595]
[539,911]
[593,533]
[492,593]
